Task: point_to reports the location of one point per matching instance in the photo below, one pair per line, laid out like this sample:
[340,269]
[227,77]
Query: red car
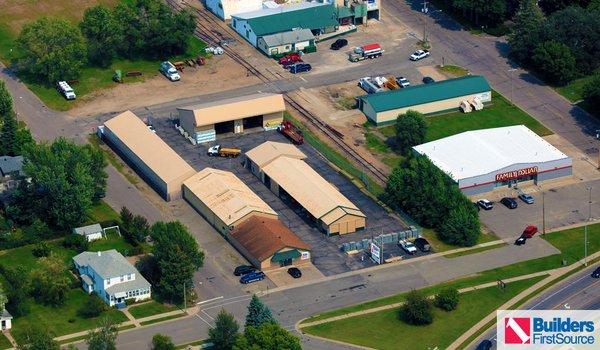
[290,58]
[529,231]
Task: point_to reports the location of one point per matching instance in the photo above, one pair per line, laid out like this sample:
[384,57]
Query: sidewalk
[554,274]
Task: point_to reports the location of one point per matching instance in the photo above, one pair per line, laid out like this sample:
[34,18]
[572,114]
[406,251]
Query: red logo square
[517,330]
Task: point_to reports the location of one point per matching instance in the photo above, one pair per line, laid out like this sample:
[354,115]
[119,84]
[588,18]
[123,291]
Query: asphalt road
[578,292]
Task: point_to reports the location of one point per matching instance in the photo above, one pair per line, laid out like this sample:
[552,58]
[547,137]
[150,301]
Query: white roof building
[480,160]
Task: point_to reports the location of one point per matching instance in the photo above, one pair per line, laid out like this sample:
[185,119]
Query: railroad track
[206,30]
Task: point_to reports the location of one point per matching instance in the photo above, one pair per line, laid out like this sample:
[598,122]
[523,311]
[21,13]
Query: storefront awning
[288,254]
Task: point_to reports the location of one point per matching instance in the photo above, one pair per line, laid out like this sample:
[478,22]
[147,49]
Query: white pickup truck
[419,55]
[408,247]
[66,90]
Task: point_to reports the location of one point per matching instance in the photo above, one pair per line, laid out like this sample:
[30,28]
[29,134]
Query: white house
[225,8]
[90,232]
[5,319]
[111,276]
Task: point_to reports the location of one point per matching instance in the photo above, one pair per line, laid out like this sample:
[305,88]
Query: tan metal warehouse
[203,122]
[223,199]
[148,154]
[281,167]
[267,243]
[384,107]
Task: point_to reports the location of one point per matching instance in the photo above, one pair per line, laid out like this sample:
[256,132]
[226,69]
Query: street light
[585,240]
[511,83]
[543,214]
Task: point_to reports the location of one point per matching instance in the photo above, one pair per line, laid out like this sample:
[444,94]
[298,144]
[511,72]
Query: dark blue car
[252,277]
[300,67]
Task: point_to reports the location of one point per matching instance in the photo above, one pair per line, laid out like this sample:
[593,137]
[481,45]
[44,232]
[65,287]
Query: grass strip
[474,251]
[145,323]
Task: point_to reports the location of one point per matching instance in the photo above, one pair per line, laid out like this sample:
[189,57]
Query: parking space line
[203,320]
[209,316]
[209,300]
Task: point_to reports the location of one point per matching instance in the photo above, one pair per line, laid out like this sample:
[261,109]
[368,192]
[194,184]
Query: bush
[591,92]
[162,342]
[41,250]
[94,306]
[447,299]
[76,242]
[135,250]
[411,129]
[555,61]
[417,310]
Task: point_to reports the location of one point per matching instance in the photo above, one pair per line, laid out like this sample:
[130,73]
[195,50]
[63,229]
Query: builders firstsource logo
[547,329]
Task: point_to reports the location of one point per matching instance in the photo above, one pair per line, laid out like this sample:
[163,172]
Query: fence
[387,238]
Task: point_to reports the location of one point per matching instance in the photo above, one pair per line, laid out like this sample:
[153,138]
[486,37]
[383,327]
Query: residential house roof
[426,93]
[235,108]
[106,264]
[266,152]
[291,37]
[282,19]
[226,195]
[88,230]
[138,283]
[263,237]
[9,165]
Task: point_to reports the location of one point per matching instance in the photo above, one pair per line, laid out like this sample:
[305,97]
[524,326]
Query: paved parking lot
[327,256]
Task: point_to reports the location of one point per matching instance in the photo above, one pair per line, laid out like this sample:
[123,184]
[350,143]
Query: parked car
[428,80]
[290,57]
[243,269]
[403,82]
[596,273]
[295,272]
[485,204]
[66,90]
[527,198]
[252,277]
[419,55]
[422,244]
[300,67]
[509,202]
[338,44]
[169,71]
[520,241]
[485,345]
[218,151]
[529,231]
[407,246]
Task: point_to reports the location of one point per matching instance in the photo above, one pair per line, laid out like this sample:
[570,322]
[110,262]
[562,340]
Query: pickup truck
[169,71]
[218,151]
[66,90]
[407,246]
[419,55]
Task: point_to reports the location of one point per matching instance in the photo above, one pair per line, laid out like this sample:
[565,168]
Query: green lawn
[499,113]
[392,160]
[375,144]
[474,251]
[440,246]
[60,320]
[574,90]
[23,256]
[102,212]
[456,71]
[4,343]
[150,309]
[172,317]
[383,330]
[571,242]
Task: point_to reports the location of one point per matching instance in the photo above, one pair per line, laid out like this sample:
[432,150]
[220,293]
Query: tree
[417,309]
[135,228]
[526,30]
[447,299]
[37,338]
[551,6]
[3,299]
[177,256]
[77,242]
[53,49]
[411,129]
[104,337]
[591,92]
[41,249]
[163,342]
[94,306]
[225,332]
[147,265]
[461,225]
[6,102]
[49,282]
[268,336]
[18,290]
[8,136]
[555,61]
[258,313]
[102,33]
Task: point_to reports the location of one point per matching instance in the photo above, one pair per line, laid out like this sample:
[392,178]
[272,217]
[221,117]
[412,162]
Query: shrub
[77,242]
[135,250]
[417,310]
[447,299]
[93,307]
[41,250]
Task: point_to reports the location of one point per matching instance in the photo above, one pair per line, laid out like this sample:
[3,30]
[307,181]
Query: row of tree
[418,308]
[54,49]
[13,137]
[561,46]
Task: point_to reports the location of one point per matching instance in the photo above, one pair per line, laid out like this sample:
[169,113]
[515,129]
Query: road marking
[301,77]
[558,291]
[223,304]
[576,294]
[203,320]
[209,300]
[209,316]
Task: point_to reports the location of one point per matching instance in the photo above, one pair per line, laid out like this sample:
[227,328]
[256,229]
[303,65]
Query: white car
[419,55]
[408,247]
[403,82]
[485,204]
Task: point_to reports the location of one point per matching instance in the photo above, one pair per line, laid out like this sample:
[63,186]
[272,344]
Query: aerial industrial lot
[296,174]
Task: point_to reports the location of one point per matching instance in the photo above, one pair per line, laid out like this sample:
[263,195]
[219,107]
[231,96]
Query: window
[129,276]
[122,278]
[108,281]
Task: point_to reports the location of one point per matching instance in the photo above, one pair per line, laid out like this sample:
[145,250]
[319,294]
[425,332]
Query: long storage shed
[281,168]
[204,121]
[147,154]
[223,199]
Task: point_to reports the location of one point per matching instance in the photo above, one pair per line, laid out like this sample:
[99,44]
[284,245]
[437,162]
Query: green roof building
[446,95]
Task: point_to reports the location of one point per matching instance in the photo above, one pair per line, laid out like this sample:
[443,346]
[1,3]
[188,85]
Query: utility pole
[425,10]
[585,243]
[512,88]
[543,214]
[184,301]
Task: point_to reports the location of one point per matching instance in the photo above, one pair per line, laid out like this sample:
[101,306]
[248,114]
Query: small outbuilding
[156,162]
[285,42]
[90,232]
[204,121]
[482,160]
[5,319]
[384,107]
[281,167]
[223,199]
[267,243]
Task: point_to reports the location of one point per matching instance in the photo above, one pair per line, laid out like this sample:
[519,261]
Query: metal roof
[480,152]
[236,108]
[426,93]
[291,37]
[305,15]
[107,264]
[149,147]
[88,230]
[264,153]
[226,195]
